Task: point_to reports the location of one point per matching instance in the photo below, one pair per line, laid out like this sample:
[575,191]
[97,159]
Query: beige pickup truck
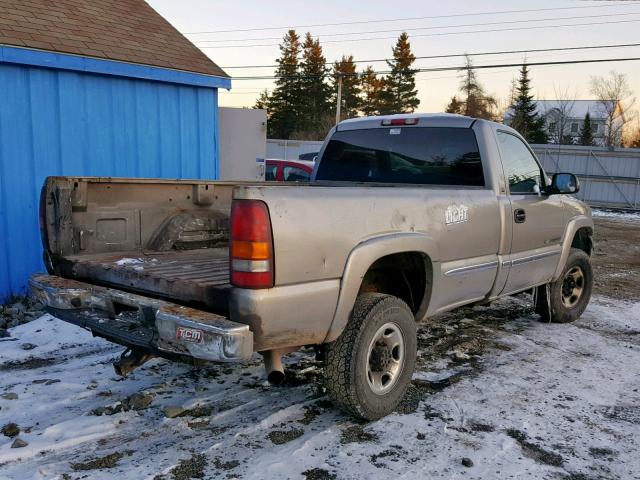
[406,216]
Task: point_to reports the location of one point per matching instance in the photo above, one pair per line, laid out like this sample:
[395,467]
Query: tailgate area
[192,276]
[156,326]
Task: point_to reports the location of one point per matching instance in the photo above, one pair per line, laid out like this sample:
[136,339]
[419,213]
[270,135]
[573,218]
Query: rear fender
[363,256]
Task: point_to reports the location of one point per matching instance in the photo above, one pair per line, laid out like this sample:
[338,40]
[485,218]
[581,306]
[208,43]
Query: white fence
[290,149]
[607,177]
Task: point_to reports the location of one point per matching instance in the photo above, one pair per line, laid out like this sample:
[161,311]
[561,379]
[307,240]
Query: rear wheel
[370,365]
[564,300]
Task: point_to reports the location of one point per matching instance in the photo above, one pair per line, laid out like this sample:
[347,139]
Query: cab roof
[423,120]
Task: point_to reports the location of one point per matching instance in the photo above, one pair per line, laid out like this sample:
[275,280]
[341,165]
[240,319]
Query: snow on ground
[620,214]
[519,398]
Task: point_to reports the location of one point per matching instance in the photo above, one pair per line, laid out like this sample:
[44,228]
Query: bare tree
[559,117]
[615,98]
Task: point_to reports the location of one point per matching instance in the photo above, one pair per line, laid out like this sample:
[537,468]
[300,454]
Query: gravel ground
[497,394]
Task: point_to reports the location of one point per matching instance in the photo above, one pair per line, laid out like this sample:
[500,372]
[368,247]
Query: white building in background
[564,118]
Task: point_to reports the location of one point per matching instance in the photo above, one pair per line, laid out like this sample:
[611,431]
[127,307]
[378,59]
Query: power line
[436,34]
[360,22]
[434,27]
[476,54]
[458,68]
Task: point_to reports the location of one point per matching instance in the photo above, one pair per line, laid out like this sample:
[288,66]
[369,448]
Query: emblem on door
[456,214]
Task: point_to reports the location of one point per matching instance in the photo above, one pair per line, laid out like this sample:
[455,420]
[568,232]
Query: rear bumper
[143,322]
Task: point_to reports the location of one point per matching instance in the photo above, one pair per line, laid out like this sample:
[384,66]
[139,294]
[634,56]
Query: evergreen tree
[372,89]
[285,100]
[513,91]
[400,94]
[351,89]
[316,92]
[586,134]
[455,106]
[262,102]
[525,119]
[477,103]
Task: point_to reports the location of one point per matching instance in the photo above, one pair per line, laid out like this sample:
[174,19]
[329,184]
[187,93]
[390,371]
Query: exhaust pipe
[130,360]
[273,364]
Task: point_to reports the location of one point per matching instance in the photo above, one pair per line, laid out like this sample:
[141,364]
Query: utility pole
[339,98]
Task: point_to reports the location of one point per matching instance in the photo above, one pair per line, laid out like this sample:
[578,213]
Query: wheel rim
[572,287]
[385,358]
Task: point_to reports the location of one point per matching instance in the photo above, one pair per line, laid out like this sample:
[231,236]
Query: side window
[293,174]
[270,172]
[520,167]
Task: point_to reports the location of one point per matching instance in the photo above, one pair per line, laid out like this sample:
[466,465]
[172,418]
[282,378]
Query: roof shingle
[125,30]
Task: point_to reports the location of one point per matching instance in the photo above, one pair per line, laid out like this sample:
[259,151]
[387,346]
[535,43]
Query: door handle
[519,215]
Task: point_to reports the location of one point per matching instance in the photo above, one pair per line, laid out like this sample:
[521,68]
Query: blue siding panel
[61,122]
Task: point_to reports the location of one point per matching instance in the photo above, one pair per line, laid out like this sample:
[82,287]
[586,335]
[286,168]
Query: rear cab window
[413,155]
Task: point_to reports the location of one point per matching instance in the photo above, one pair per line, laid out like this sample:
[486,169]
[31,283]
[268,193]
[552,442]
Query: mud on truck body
[406,216]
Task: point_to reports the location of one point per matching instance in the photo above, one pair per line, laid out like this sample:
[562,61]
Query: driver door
[538,219]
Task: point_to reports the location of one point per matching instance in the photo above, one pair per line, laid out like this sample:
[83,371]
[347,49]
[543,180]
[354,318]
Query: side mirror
[562,183]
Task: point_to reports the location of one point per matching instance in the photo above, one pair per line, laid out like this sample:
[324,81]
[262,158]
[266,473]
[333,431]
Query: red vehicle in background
[288,170]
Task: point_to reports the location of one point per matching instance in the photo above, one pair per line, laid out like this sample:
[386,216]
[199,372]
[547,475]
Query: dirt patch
[311,412]
[18,310]
[319,474]
[279,437]
[480,427]
[10,430]
[599,452]
[190,468]
[616,258]
[221,465]
[533,451]
[108,461]
[392,454]
[28,364]
[418,389]
[625,413]
[356,434]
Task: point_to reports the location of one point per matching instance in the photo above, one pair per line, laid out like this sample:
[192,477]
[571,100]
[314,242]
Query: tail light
[251,249]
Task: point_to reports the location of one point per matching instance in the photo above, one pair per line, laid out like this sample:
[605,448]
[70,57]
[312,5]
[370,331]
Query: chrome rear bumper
[138,321]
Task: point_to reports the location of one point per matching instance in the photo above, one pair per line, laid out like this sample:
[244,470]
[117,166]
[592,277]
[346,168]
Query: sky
[457,31]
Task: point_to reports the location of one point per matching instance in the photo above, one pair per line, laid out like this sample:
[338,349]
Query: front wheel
[564,300]
[370,365]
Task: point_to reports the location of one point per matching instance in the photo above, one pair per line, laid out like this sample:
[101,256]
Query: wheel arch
[578,234]
[387,253]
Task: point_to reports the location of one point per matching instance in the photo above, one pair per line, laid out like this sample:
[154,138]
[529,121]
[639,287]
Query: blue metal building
[114,111]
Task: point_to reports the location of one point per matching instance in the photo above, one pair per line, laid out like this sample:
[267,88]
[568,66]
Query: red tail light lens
[251,250]
[399,121]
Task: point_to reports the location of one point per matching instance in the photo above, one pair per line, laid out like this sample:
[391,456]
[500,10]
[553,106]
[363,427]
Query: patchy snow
[540,401]
[129,261]
[619,214]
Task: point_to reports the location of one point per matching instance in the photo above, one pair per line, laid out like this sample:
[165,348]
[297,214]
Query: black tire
[348,363]
[555,309]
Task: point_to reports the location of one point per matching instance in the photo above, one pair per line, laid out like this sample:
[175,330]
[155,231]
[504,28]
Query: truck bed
[193,276]
[164,238]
